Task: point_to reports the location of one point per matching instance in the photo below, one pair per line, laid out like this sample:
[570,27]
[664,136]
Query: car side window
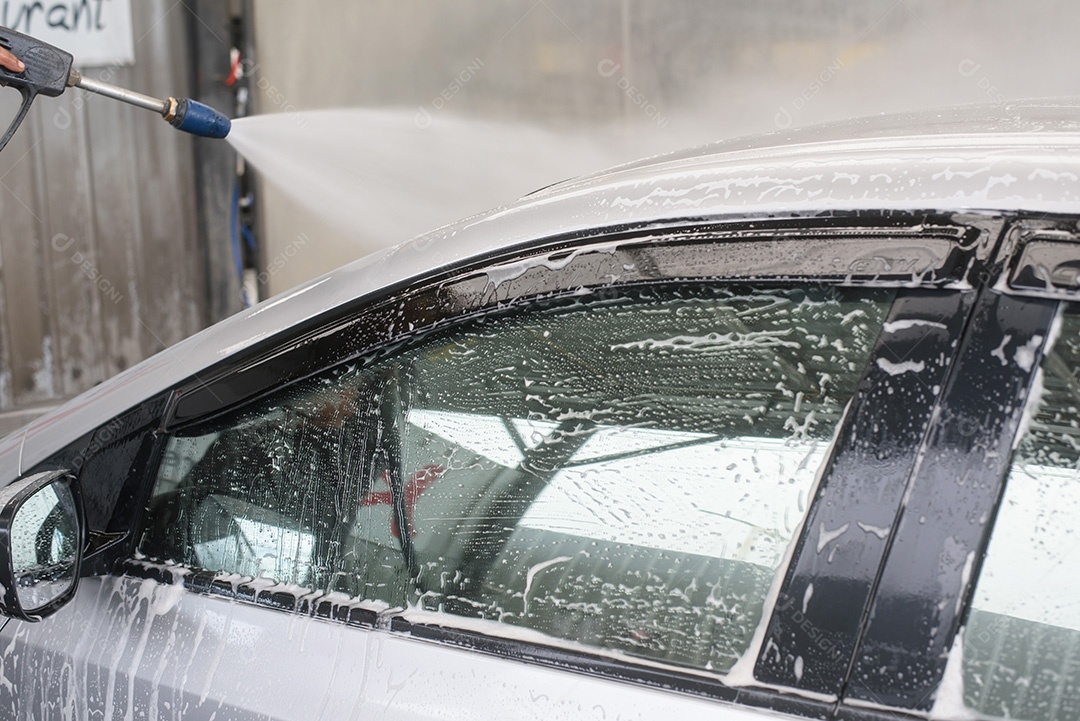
[620,472]
[1021,643]
[264,491]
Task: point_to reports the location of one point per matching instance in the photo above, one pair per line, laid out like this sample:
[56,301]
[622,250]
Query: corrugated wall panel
[98,247]
[27,334]
[68,221]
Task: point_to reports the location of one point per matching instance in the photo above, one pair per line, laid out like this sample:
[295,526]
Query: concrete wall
[565,86]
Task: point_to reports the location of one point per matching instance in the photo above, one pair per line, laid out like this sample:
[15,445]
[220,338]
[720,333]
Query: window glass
[1022,638]
[265,491]
[622,471]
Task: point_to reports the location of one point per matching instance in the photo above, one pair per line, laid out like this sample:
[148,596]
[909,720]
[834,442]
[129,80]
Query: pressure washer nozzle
[195,118]
[184,114]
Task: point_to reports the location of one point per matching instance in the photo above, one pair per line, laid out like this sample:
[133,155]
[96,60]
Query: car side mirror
[42,534]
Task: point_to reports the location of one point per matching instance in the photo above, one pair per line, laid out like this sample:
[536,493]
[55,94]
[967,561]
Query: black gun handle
[28,96]
[47,72]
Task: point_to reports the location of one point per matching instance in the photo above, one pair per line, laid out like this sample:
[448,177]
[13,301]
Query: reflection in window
[622,472]
[252,541]
[1022,637]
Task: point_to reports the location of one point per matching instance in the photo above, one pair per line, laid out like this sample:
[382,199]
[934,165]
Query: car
[784,427]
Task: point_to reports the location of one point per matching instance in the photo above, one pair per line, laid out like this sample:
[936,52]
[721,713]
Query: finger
[11,62]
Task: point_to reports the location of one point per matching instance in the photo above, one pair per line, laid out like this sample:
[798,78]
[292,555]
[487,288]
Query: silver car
[779,428]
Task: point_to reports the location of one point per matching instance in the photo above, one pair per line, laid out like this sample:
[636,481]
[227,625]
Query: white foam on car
[949,697]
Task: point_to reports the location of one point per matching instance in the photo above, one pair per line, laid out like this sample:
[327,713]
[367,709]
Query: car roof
[1004,157]
[1047,117]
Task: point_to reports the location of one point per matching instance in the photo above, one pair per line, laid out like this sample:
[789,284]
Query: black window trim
[1022,311]
[828,589]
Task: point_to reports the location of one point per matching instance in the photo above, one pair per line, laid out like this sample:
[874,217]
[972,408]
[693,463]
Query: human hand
[11,62]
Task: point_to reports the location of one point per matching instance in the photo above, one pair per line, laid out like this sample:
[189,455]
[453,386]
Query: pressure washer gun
[48,72]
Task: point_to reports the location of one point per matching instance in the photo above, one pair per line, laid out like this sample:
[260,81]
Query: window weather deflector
[924,253]
[932,254]
[1048,266]
[851,251]
[1039,257]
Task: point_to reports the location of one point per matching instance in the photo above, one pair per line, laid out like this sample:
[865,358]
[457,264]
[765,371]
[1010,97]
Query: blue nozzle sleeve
[199,119]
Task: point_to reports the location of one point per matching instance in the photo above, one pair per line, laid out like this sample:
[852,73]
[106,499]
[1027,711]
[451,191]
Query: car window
[621,471]
[1021,644]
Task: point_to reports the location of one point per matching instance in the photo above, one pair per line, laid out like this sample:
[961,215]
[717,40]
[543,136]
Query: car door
[975,612]
[640,457]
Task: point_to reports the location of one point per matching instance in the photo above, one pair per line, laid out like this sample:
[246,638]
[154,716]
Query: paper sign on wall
[96,32]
